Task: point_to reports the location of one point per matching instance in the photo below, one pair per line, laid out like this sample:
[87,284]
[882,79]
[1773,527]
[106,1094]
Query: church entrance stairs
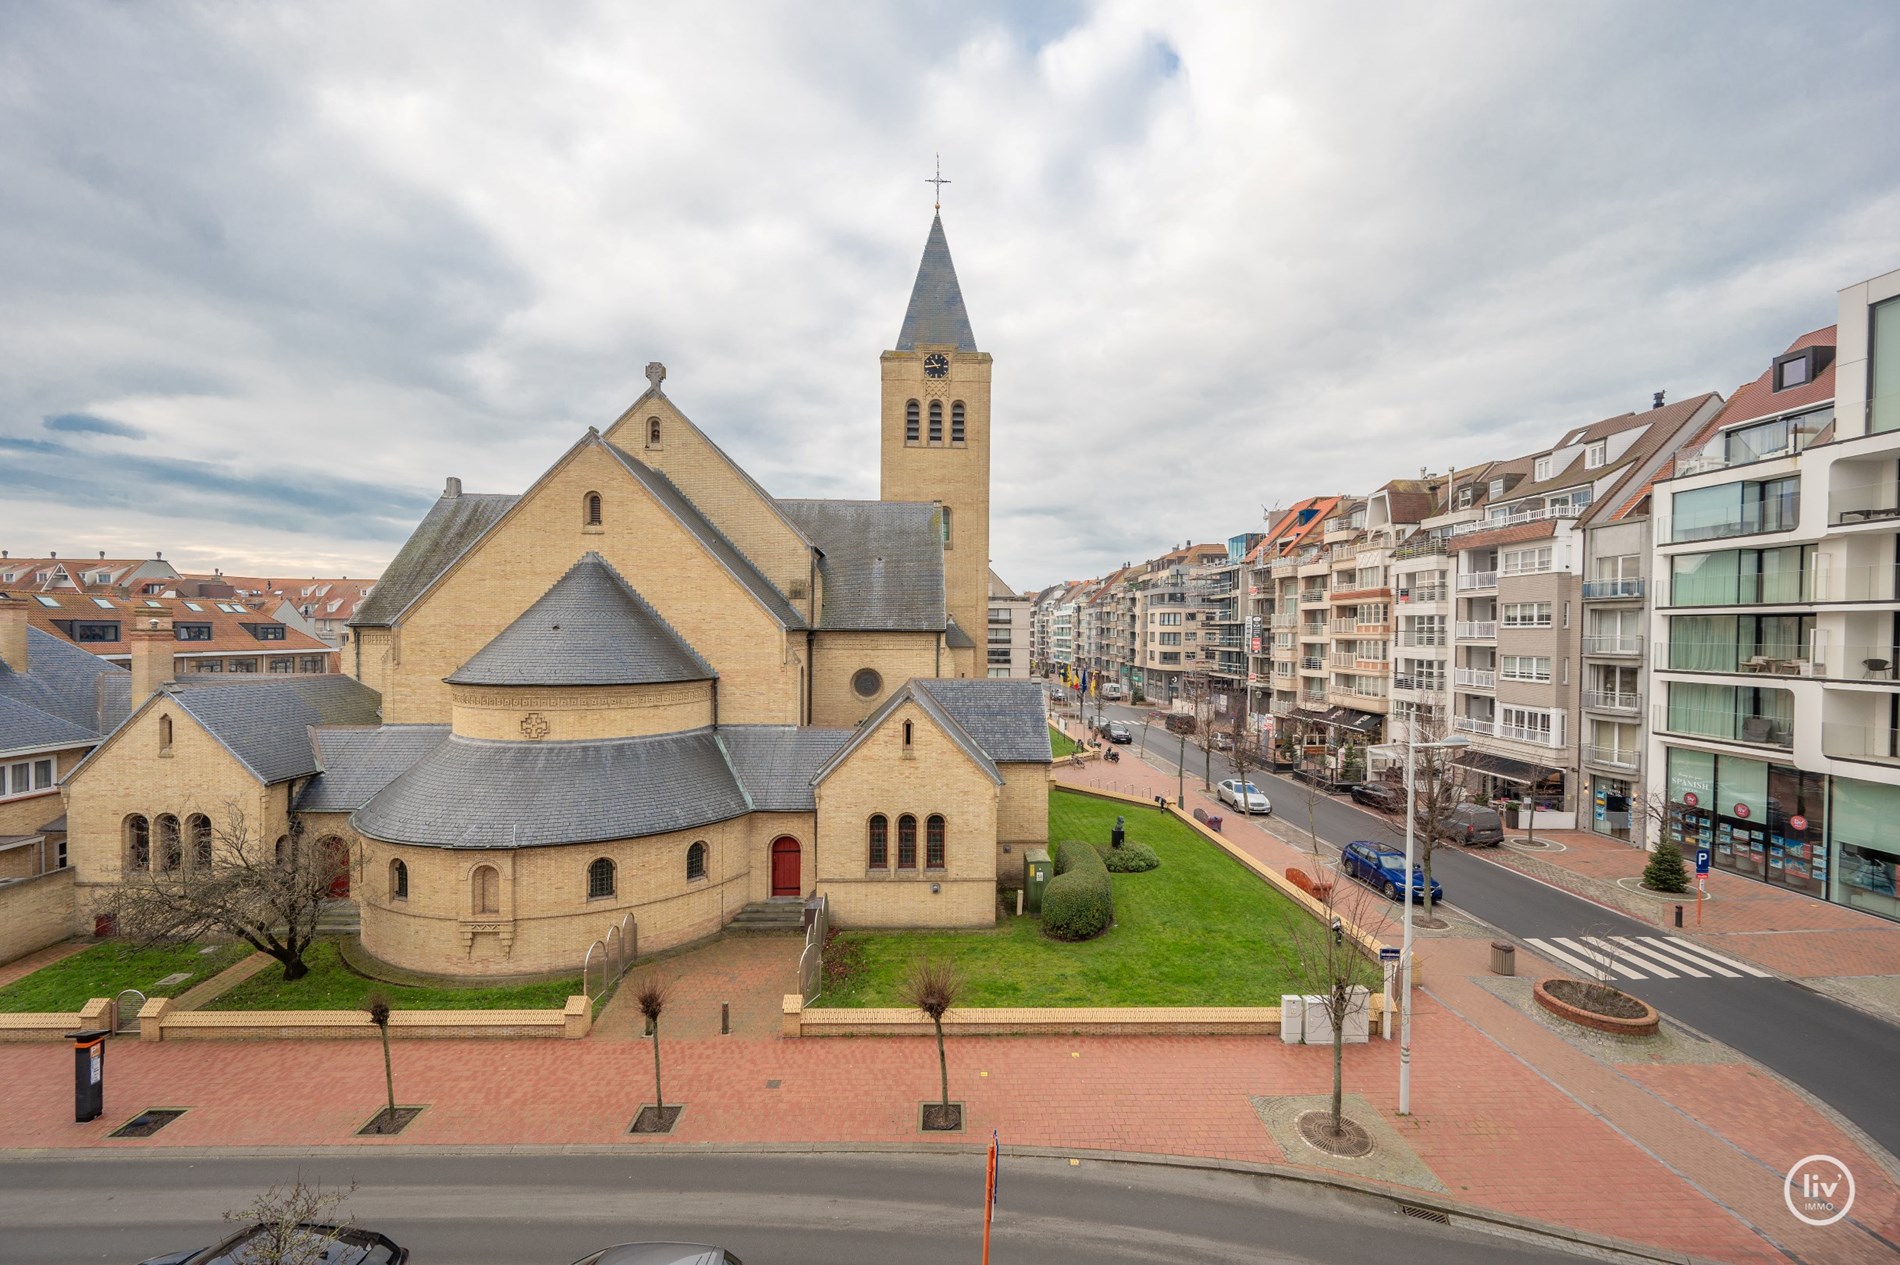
[770,915]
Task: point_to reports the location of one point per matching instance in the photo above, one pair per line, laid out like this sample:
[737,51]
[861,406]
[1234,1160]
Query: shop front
[1611,812]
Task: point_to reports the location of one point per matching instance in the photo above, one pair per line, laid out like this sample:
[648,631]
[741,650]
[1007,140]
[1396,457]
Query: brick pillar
[13,635]
[152,650]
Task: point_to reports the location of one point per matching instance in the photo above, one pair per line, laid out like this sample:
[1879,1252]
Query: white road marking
[1716,961]
[1644,953]
[1551,951]
[1630,967]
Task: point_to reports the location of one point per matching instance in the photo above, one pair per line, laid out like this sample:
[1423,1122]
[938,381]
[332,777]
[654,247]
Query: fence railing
[608,958]
[811,962]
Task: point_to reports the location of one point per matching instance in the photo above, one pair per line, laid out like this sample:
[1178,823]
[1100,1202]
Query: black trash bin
[89,1073]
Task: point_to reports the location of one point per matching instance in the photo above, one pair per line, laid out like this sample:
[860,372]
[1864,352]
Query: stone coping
[53,1025]
[800,1020]
[160,1019]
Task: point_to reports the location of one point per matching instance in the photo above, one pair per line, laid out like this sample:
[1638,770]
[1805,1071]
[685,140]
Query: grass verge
[106,970]
[1061,745]
[332,985]
[1200,931]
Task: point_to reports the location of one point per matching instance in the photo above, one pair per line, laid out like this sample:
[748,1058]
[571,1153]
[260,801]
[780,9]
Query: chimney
[151,638]
[452,488]
[13,635]
[1658,401]
[102,555]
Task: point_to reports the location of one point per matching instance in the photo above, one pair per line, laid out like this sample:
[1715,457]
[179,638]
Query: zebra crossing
[1641,957]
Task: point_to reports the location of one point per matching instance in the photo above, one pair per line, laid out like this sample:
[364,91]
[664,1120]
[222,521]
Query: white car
[1244,797]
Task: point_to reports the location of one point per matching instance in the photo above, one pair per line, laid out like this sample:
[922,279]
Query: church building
[645,686]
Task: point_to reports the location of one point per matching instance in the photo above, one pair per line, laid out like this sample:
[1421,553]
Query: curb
[1503,1224]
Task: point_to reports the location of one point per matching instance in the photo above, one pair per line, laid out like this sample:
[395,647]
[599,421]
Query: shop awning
[1353,719]
[1522,771]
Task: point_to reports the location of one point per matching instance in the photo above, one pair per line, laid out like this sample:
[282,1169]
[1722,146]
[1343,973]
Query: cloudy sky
[272,271]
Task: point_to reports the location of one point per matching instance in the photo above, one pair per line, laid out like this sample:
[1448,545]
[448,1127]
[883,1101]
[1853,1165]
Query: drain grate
[1432,1215]
[148,1122]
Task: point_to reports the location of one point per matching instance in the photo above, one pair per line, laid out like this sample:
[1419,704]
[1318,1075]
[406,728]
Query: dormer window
[1541,471]
[1596,455]
[1798,368]
[1497,487]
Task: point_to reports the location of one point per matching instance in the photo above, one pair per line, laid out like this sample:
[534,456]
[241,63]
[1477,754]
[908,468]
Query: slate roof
[936,314]
[474,793]
[1008,719]
[954,636]
[668,494]
[452,524]
[266,723]
[67,696]
[881,563]
[911,692]
[776,763]
[591,628]
[357,763]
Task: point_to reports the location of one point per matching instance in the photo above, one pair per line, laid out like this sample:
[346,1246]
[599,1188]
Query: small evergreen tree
[1666,871]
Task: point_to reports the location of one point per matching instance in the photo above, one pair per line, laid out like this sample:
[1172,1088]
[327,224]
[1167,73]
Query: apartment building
[1007,633]
[122,577]
[210,636]
[1171,621]
[1296,575]
[1775,713]
[1222,585]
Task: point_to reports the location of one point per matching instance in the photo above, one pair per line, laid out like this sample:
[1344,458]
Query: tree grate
[147,1122]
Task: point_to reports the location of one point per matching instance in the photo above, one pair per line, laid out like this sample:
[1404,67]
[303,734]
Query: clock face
[936,365]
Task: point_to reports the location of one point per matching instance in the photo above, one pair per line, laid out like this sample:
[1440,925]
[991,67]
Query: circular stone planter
[1633,1024]
[1634,884]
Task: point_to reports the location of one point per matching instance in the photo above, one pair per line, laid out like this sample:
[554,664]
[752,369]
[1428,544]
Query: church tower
[936,432]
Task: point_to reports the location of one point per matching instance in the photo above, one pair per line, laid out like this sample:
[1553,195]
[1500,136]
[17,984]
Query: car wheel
[1391,890]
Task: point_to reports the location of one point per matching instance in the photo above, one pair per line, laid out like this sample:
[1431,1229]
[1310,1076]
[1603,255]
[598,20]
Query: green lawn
[1060,744]
[1200,931]
[107,969]
[332,985]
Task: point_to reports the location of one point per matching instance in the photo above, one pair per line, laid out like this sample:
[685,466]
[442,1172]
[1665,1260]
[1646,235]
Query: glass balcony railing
[1612,701]
[1724,724]
[1614,757]
[1614,645]
[1599,590]
[1879,743]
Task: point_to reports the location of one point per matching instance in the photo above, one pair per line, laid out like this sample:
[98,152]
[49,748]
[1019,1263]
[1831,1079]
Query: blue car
[1384,868]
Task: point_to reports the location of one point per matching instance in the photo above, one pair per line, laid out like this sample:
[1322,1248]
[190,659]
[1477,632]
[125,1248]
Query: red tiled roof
[1516,533]
[1760,399]
[228,632]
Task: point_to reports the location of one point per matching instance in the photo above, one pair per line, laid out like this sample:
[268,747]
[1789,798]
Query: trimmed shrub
[1666,871]
[1078,903]
[1130,858]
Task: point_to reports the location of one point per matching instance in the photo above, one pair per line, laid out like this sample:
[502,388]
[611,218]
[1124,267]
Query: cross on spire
[939,181]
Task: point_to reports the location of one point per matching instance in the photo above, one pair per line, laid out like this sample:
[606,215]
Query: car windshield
[1250,788]
[1394,859]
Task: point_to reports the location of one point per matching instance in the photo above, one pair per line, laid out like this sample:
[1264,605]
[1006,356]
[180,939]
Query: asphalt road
[1841,1055]
[768,1210]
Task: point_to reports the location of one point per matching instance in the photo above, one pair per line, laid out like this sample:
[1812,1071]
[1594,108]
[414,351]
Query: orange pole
[989,1201]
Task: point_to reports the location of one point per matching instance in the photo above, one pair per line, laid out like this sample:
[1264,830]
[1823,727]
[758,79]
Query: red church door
[336,854]
[785,877]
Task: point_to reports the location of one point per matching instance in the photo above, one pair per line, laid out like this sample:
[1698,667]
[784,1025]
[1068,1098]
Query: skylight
[44,600]
[193,606]
[102,604]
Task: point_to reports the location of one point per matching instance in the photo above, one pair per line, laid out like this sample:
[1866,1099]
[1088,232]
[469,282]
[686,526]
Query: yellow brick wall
[1022,817]
[130,775]
[25,815]
[935,776]
[539,540]
[836,658]
[34,913]
[367,658]
[721,492]
[600,711]
[957,477]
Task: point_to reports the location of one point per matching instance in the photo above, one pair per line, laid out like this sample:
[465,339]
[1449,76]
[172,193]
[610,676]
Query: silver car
[660,1254]
[1244,797]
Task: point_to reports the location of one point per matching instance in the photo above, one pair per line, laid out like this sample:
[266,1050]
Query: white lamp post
[1412,747]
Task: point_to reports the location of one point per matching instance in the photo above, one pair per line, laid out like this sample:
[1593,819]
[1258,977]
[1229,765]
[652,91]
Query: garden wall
[1124,1021]
[161,1021]
[35,912]
[54,1025]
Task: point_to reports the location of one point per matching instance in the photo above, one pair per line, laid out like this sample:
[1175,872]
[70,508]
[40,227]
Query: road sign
[1701,861]
[1388,955]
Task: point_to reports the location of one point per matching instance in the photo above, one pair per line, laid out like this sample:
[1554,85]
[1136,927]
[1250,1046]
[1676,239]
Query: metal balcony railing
[1612,701]
[1534,514]
[1613,645]
[1475,678]
[1478,630]
[1473,580]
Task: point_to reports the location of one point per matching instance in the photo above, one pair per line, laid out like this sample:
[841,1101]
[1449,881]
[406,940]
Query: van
[1112,691]
[1474,824]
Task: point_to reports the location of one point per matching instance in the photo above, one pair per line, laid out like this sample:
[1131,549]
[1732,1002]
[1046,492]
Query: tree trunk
[1339,1080]
[659,1102]
[1207,763]
[943,1064]
[294,967]
[389,1075]
[1425,868]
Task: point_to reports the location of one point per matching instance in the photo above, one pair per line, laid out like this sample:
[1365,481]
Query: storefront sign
[1797,822]
[1689,799]
[1741,810]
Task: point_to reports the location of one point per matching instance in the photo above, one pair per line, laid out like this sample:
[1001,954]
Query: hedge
[1078,904]
[1130,858]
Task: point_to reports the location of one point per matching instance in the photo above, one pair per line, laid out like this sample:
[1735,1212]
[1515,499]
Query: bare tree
[1333,966]
[268,895]
[377,1004]
[651,998]
[295,1224]
[932,987]
[1437,792]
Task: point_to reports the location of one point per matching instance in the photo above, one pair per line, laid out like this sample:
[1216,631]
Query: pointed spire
[935,314]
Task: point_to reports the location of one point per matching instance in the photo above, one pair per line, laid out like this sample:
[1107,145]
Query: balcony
[1339,660]
[1471,581]
[1424,593]
[1475,726]
[1312,663]
[1312,597]
[1536,514]
[1285,619]
[1614,646]
[1746,516]
[1377,593]
[1422,637]
[1749,444]
[1612,701]
[1723,725]
[1614,757]
[1478,630]
[1877,743]
[1536,735]
[1423,684]
[1475,678]
[1372,627]
[1420,547]
[1612,590]
[1341,625]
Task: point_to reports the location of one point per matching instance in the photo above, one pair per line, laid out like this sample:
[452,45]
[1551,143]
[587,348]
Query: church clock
[936,365]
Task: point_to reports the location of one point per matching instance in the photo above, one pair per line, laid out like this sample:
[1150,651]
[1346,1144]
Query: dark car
[345,1246]
[1383,796]
[1378,866]
[661,1254]
[1116,731]
[1475,824]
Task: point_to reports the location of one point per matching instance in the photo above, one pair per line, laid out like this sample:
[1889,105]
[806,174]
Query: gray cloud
[86,424]
[1224,256]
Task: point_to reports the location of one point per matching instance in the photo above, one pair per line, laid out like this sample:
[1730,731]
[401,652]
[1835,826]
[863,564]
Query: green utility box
[1038,869]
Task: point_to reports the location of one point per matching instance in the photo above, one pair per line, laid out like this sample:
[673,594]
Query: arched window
[946,527]
[936,421]
[398,881]
[956,422]
[600,879]
[907,735]
[653,432]
[696,862]
[911,420]
[879,856]
[171,850]
[198,830]
[164,735]
[138,843]
[283,850]
[907,842]
[484,890]
[933,842]
[593,509]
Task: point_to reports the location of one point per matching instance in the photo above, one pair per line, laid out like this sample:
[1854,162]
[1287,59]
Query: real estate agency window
[1524,667]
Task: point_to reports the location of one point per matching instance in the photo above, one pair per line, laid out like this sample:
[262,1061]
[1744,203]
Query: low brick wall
[160,1020]
[54,1025]
[35,912]
[798,1020]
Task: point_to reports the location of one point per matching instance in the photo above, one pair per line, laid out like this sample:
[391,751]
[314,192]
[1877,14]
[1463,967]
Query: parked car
[1117,732]
[1244,797]
[1383,796]
[1475,824]
[1378,866]
[345,1247]
[661,1254]
[1222,741]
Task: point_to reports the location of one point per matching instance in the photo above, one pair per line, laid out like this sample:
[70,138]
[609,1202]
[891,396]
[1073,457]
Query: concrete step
[339,918]
[770,915]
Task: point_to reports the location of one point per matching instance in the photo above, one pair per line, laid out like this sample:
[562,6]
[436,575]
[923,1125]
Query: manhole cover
[1316,1130]
[176,977]
[146,1123]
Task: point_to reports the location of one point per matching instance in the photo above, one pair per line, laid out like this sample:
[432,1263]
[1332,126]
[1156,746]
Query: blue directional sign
[1701,861]
[1388,955]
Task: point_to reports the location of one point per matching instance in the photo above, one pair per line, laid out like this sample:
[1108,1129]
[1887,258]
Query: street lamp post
[1412,747]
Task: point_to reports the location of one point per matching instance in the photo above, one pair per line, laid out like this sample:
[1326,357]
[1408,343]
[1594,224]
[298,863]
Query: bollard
[725,1018]
[1678,915]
